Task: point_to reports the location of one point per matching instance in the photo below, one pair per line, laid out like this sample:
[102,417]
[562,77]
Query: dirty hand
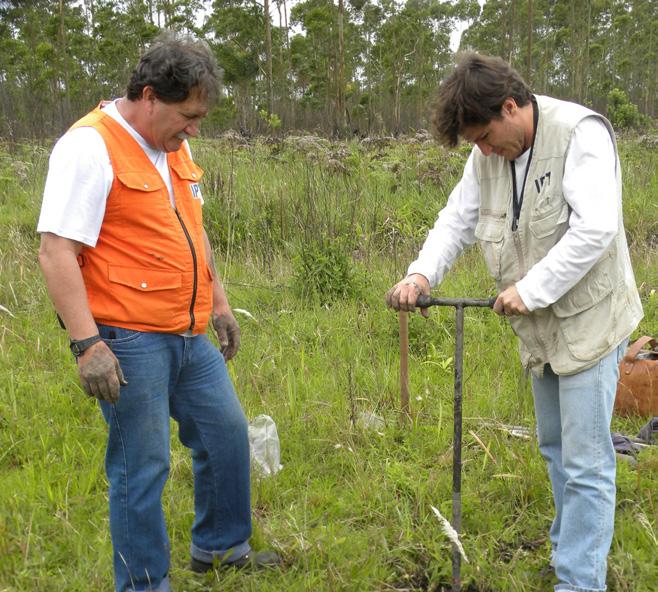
[404,294]
[228,334]
[100,373]
[509,303]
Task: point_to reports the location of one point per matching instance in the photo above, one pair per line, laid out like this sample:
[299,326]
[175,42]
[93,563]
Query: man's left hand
[228,334]
[509,303]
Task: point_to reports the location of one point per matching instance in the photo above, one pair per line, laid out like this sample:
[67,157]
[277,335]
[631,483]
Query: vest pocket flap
[490,229]
[584,295]
[141,181]
[188,170]
[145,280]
[547,223]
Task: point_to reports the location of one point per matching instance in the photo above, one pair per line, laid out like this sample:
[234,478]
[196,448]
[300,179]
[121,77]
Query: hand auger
[459,304]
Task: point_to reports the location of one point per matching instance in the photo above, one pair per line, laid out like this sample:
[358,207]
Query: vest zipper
[522,273]
[194,261]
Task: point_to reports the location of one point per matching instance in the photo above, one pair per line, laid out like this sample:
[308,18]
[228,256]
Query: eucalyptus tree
[578,50]
[177,15]
[118,33]
[412,49]
[316,59]
[336,65]
[235,29]
[42,60]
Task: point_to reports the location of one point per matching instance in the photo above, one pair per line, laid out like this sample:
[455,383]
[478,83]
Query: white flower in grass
[450,532]
[244,312]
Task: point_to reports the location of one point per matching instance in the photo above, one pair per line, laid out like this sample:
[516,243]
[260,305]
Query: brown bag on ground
[637,389]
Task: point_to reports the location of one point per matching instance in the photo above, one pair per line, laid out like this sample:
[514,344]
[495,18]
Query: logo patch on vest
[539,183]
[196,191]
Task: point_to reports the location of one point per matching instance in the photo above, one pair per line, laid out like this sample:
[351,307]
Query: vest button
[146,186]
[194,175]
[144,285]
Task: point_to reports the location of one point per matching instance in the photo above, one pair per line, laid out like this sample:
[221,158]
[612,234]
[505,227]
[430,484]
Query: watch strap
[79,346]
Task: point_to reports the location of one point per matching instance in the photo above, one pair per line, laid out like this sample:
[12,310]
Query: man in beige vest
[541,194]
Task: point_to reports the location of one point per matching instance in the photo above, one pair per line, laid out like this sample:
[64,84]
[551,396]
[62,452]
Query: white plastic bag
[370,421]
[264,445]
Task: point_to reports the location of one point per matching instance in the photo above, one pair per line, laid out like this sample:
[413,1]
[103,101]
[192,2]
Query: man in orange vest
[130,271]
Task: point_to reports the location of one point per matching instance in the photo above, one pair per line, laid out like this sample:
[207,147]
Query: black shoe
[199,566]
[256,560]
[252,560]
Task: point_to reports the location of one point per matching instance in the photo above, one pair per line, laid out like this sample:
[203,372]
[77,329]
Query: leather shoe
[252,560]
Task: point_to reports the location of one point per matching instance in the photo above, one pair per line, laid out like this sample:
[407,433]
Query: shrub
[621,112]
[324,272]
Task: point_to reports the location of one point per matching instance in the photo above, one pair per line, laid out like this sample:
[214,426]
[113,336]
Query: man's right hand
[404,294]
[100,373]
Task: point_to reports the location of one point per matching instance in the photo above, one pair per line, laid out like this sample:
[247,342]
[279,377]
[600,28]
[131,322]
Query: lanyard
[517,200]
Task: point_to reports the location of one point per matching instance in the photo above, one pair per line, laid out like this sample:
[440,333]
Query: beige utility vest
[603,308]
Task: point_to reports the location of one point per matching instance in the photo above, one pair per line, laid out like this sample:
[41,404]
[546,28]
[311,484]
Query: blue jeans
[573,429]
[185,378]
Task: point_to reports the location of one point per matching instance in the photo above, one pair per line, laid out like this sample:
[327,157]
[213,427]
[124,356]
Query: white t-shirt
[80,178]
[590,188]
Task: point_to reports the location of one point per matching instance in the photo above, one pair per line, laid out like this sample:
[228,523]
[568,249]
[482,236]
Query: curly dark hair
[173,66]
[474,93]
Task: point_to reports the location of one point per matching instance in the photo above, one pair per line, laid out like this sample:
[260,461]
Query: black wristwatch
[80,346]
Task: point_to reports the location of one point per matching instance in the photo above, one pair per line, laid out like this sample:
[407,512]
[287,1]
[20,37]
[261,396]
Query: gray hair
[173,66]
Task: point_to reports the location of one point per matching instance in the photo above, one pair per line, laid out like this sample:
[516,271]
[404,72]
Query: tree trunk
[528,75]
[340,86]
[585,67]
[65,106]
[512,30]
[290,86]
[396,107]
[268,55]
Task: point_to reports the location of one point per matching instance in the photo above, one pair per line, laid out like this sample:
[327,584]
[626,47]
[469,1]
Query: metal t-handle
[424,301]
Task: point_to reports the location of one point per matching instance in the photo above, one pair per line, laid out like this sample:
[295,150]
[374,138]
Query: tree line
[334,67]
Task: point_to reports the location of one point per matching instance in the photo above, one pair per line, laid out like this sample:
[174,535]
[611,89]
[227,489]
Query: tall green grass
[350,510]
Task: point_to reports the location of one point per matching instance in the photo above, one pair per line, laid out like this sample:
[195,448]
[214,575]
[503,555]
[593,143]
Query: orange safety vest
[148,271]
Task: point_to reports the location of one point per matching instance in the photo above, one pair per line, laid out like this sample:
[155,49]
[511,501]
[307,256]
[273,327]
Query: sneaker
[252,560]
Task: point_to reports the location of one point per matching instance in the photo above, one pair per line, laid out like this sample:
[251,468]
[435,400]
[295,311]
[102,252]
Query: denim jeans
[573,429]
[185,378]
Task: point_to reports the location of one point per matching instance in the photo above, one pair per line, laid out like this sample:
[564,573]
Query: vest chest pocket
[547,225]
[142,190]
[544,223]
[490,232]
[141,181]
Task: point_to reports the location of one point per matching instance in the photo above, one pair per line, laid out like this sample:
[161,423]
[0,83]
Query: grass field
[309,236]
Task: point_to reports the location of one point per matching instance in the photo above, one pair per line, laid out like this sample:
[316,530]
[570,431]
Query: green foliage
[639,161]
[58,59]
[323,271]
[22,175]
[574,50]
[273,120]
[223,114]
[374,196]
[621,112]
